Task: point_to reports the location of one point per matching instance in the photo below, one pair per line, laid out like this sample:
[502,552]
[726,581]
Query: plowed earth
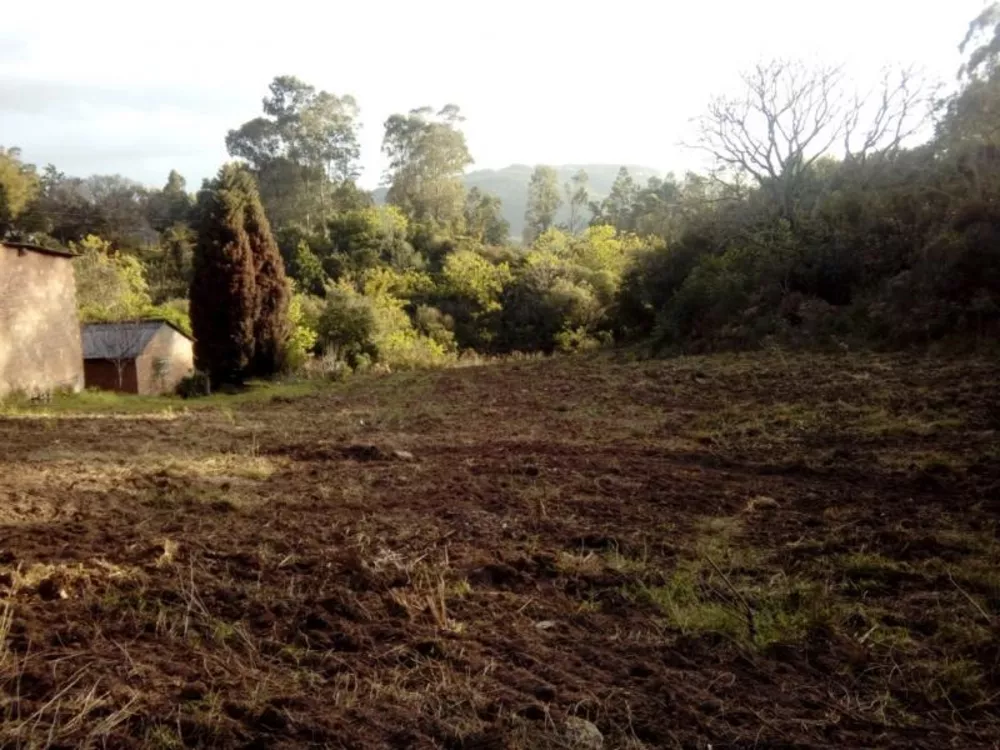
[758,551]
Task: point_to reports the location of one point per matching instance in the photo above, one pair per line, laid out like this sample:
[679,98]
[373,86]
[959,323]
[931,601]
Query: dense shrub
[347,325]
[367,329]
[302,337]
[194,385]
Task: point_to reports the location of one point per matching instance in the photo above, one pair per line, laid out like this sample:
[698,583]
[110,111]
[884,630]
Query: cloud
[139,131]
[33,97]
[13,47]
[140,145]
[539,81]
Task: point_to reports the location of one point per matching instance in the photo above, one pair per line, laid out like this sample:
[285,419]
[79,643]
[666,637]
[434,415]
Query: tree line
[829,215]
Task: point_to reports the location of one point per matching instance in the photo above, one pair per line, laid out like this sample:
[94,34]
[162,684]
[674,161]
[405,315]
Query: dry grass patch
[64,580]
[222,466]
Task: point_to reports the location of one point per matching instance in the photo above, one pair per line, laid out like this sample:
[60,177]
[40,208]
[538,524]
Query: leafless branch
[791,115]
[748,609]
[976,605]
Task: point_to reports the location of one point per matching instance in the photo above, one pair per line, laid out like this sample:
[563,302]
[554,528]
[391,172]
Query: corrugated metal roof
[118,340]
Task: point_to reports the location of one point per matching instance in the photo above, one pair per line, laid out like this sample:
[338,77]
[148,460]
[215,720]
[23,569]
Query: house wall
[40,347]
[175,354]
[103,374]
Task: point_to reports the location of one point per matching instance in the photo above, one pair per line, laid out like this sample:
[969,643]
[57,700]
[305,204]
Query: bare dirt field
[755,551]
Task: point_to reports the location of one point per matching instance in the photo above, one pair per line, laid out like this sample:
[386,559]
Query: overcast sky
[138,89]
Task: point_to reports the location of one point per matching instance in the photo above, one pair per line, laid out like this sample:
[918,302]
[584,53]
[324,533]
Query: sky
[105,87]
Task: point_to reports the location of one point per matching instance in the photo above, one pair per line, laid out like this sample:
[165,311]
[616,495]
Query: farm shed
[144,357]
[39,328]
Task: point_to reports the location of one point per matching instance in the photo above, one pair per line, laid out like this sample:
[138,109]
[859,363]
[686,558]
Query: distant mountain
[510,184]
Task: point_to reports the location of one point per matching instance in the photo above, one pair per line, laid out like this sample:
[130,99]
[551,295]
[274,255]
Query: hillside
[511,185]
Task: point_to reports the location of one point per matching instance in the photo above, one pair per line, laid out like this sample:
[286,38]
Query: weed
[162,737]
[781,611]
[636,566]
[866,565]
[954,680]
[689,610]
[461,588]
[787,613]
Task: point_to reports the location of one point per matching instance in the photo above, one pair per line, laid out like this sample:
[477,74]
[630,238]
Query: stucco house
[144,357]
[39,329]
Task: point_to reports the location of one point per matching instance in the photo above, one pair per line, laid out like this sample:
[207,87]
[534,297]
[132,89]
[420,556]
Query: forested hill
[510,184]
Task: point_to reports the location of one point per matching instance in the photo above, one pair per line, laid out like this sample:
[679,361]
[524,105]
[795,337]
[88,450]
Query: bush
[195,385]
[363,363]
[548,297]
[437,326]
[650,282]
[578,340]
[468,275]
[365,331]
[407,349]
[301,339]
[347,325]
[328,367]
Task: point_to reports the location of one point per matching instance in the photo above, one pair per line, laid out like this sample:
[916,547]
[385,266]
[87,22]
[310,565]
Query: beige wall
[40,348]
[175,351]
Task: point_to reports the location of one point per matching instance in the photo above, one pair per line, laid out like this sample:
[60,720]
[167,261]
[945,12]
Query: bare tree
[123,341]
[878,123]
[790,115]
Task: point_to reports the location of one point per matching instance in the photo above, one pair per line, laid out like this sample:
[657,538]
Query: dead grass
[223,466]
[732,550]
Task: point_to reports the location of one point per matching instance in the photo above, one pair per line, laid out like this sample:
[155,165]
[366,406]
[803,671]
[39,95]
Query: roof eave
[59,253]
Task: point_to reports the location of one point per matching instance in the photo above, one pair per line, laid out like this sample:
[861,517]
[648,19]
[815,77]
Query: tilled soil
[754,551]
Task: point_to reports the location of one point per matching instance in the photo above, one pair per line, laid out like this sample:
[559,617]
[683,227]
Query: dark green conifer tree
[271,324]
[239,293]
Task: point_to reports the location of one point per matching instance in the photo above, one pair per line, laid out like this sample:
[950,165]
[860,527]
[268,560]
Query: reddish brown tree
[239,294]
[271,325]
